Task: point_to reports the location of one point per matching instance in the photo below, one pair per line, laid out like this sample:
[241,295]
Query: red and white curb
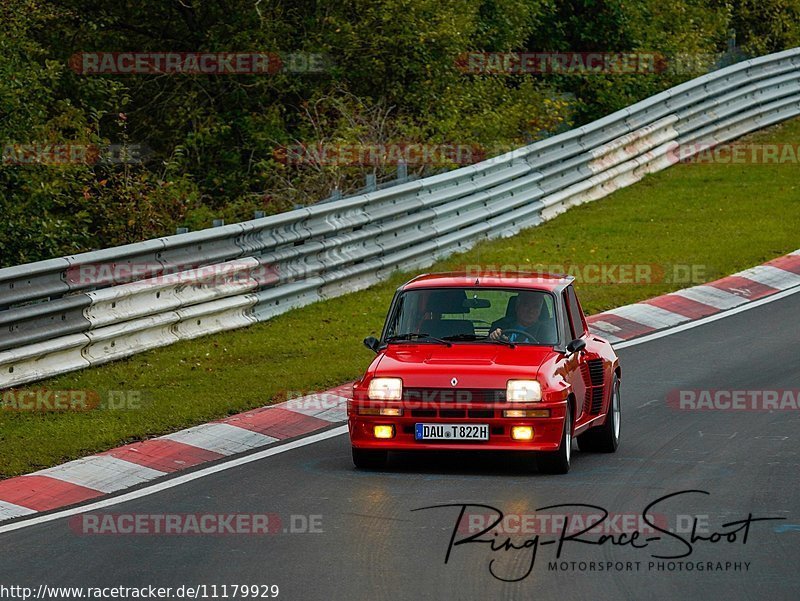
[137,463]
[698,302]
[141,462]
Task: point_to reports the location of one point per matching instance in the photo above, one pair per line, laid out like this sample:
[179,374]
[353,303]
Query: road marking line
[224,439]
[322,405]
[694,324]
[9,510]
[744,286]
[314,438]
[773,277]
[789,262]
[163,455]
[102,472]
[42,493]
[728,436]
[708,295]
[622,327]
[649,315]
[682,306]
[276,421]
[177,481]
[597,328]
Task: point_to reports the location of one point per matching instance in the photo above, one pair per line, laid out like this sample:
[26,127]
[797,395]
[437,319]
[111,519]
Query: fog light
[526,413]
[383,431]
[522,433]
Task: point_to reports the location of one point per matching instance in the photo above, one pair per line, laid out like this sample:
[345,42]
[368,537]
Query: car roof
[490,279]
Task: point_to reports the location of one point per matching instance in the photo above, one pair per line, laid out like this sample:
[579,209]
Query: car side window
[565,323]
[574,313]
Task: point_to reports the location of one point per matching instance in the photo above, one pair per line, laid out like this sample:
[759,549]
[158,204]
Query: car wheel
[558,462]
[605,438]
[369,459]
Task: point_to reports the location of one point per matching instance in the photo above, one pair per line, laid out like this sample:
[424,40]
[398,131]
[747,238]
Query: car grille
[593,375]
[454,395]
[454,413]
[596,371]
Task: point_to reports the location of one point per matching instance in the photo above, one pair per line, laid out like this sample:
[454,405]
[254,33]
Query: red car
[487,362]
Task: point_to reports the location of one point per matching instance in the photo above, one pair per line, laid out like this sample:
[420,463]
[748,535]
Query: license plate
[451,432]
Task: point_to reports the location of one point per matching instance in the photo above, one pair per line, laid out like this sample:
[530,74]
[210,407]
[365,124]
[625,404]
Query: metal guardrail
[72,312]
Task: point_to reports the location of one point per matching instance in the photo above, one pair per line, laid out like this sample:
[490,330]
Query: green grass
[724,217]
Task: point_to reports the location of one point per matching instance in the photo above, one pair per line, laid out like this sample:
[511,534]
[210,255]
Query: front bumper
[547,431]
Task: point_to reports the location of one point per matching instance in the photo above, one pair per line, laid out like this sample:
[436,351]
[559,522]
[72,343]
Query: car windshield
[480,315]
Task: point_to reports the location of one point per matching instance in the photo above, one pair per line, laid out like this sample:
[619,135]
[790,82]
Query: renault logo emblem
[453,382]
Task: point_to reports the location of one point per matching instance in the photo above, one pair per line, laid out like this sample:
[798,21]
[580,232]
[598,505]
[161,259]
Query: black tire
[558,462]
[605,438]
[369,459]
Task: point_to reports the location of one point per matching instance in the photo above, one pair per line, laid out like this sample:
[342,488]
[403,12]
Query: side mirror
[576,345]
[371,343]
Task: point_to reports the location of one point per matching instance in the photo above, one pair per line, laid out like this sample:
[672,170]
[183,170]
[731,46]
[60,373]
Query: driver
[530,316]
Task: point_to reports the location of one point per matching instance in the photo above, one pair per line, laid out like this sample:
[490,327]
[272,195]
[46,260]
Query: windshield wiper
[472,337]
[416,336]
[508,343]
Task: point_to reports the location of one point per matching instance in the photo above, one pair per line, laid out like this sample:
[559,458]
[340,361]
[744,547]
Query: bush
[393,78]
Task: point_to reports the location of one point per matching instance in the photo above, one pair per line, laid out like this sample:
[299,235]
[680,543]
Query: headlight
[522,391]
[386,389]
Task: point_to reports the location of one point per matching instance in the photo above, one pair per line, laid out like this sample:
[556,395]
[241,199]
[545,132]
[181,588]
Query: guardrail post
[731,40]
[402,172]
[181,230]
[259,215]
[371,183]
[218,223]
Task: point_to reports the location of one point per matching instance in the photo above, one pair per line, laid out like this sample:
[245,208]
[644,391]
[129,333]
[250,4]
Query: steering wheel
[525,333]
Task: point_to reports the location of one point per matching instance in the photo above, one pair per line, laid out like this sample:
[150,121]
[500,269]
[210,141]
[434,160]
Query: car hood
[473,365]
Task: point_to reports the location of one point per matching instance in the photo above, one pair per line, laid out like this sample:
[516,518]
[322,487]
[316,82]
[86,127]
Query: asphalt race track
[374,546]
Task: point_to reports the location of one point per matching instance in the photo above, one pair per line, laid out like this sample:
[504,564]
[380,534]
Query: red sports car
[487,362]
